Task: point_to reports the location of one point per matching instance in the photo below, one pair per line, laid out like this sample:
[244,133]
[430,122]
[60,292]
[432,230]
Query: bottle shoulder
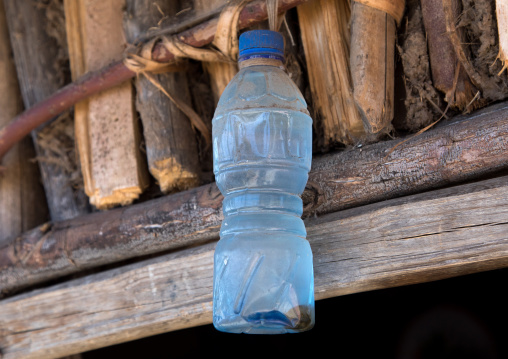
[261,87]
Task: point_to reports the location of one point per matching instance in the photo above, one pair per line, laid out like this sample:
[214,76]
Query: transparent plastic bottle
[262,148]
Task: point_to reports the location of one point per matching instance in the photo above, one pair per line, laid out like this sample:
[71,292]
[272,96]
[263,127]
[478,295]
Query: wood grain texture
[469,148]
[171,145]
[107,129]
[414,239]
[425,237]
[20,184]
[372,61]
[37,57]
[324,27]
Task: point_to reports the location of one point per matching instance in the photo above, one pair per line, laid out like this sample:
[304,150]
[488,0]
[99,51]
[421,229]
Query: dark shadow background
[464,317]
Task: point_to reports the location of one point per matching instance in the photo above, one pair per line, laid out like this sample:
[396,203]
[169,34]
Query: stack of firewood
[367,73]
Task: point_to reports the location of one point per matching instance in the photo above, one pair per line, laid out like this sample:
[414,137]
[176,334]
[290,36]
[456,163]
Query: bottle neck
[261,61]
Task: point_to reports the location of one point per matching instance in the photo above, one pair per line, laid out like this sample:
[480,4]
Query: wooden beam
[469,148]
[171,145]
[107,130]
[20,185]
[425,237]
[420,238]
[38,58]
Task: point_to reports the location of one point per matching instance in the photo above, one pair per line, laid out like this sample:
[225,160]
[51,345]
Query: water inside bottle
[262,143]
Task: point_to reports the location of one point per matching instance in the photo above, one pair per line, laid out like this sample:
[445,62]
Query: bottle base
[263,283]
[273,322]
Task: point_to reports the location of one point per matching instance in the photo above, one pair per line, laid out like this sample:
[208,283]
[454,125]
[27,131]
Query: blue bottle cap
[261,43]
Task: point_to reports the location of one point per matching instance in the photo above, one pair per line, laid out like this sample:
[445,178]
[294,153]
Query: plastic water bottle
[262,148]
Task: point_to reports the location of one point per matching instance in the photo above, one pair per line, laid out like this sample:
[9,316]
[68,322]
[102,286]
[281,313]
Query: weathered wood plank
[429,236]
[38,58]
[171,145]
[414,239]
[20,183]
[463,150]
[107,130]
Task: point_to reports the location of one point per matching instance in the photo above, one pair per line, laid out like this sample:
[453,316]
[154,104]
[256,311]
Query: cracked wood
[424,237]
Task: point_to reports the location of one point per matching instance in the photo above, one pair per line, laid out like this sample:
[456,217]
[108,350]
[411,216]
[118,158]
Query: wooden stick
[325,34]
[373,66]
[171,145]
[430,236]
[220,73]
[107,131]
[117,73]
[20,187]
[74,32]
[448,72]
[502,28]
[422,101]
[463,150]
[40,75]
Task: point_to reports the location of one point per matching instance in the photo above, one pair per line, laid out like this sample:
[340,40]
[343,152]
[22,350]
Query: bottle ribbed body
[262,143]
